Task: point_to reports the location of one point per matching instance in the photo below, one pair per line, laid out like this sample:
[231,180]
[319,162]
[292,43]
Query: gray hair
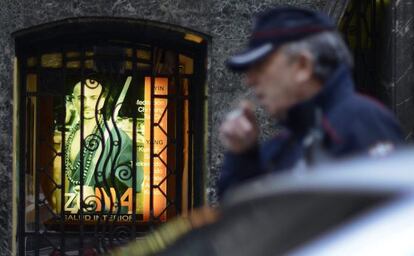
[328,50]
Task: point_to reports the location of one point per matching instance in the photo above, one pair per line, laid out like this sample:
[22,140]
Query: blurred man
[299,69]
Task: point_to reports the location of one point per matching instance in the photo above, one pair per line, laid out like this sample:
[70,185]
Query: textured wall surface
[403,63]
[396,62]
[227,22]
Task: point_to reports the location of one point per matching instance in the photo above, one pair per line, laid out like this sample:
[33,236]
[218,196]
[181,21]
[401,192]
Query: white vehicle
[354,207]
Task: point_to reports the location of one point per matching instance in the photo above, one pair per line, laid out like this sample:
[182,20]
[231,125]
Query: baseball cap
[276,27]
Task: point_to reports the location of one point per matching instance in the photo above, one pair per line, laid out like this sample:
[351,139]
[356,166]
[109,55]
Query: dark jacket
[349,123]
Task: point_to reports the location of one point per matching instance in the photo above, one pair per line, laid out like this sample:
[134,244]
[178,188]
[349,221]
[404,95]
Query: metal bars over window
[107,143]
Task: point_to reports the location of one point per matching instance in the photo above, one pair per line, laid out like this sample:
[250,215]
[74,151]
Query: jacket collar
[301,117]
[338,87]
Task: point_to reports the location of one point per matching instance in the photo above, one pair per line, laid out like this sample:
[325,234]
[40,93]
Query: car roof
[387,230]
[392,174]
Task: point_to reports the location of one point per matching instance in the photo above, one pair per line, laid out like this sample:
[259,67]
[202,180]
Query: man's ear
[304,66]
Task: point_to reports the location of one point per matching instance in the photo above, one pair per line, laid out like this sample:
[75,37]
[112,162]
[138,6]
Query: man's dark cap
[275,27]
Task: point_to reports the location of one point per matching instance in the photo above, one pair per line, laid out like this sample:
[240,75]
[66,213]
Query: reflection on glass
[186,64]
[128,52]
[144,66]
[128,65]
[89,64]
[144,54]
[100,160]
[31,62]
[73,54]
[51,60]
[80,142]
[73,64]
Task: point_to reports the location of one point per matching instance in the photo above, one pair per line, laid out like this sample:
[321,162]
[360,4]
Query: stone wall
[395,65]
[227,22]
[403,63]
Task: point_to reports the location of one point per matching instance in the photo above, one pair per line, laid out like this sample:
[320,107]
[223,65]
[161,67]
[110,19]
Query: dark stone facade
[227,22]
[402,58]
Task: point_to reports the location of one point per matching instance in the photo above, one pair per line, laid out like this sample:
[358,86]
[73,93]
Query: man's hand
[239,131]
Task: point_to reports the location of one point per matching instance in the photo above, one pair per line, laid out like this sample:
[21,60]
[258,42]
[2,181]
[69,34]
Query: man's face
[276,83]
[92,90]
